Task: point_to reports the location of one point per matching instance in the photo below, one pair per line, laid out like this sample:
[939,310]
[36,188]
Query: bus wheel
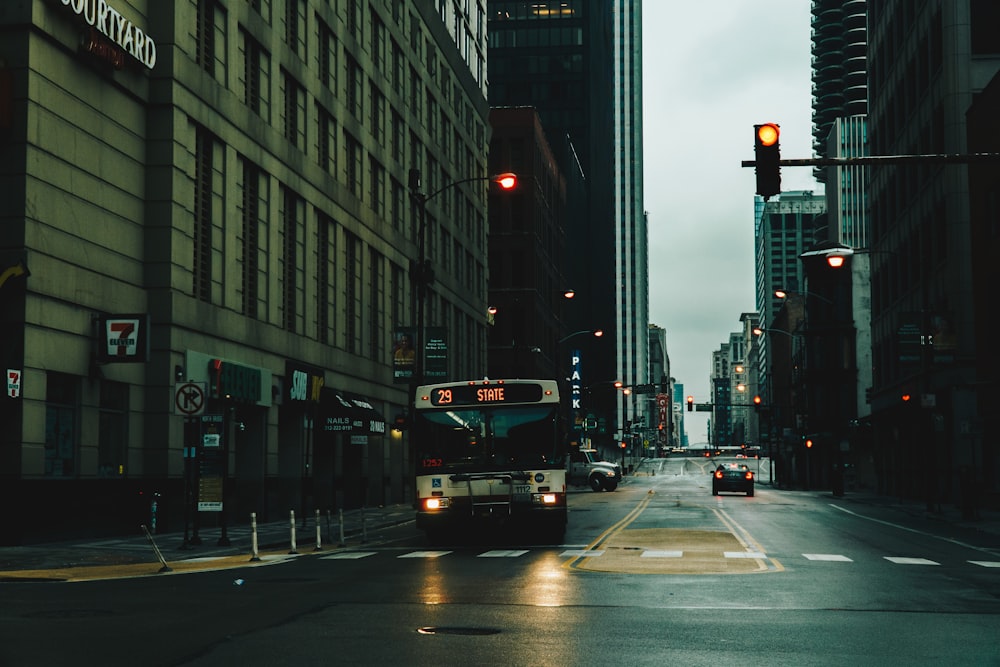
[611,486]
[595,483]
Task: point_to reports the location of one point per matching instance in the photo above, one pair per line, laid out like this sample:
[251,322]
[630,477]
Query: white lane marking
[653,553]
[903,560]
[349,555]
[744,554]
[581,553]
[986,563]
[503,553]
[914,530]
[424,554]
[829,557]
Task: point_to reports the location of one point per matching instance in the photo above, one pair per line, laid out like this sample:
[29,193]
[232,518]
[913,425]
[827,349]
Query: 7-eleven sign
[125,338]
[13,382]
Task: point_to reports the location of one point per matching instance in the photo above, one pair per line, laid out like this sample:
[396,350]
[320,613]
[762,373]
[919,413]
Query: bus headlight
[545,499]
[431,504]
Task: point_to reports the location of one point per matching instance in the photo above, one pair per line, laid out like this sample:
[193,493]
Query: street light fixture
[784,294]
[422,274]
[597,333]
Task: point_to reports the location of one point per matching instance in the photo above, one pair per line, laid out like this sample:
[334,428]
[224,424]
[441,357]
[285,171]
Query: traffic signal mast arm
[953,158]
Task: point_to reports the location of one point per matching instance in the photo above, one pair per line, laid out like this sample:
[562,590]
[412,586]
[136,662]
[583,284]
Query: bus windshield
[488,438]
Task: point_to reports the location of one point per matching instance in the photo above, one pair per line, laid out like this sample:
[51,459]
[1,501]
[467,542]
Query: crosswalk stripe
[743,554]
[986,563]
[904,560]
[581,553]
[424,554]
[829,557]
[503,553]
[653,553]
[349,555]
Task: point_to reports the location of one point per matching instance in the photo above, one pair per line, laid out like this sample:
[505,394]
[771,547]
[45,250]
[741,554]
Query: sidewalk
[359,526]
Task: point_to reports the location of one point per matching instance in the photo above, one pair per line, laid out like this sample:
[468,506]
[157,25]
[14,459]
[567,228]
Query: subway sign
[235,381]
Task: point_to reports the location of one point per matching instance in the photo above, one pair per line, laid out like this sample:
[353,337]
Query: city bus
[489,452]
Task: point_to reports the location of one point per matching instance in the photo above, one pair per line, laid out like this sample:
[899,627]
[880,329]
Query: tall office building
[578,62]
[205,208]
[840,75]
[786,227]
[929,62]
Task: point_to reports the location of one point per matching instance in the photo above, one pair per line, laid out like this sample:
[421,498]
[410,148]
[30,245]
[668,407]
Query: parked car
[732,477]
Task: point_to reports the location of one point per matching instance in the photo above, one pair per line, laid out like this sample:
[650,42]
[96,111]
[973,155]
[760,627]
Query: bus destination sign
[468,394]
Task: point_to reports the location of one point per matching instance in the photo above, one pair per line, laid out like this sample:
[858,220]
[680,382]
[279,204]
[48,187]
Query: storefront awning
[341,412]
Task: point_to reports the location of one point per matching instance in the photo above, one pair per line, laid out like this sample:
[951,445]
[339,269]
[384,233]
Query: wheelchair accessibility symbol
[435,482]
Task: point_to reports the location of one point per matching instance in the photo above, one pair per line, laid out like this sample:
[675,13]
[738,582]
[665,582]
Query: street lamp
[626,392]
[597,333]
[421,272]
[784,294]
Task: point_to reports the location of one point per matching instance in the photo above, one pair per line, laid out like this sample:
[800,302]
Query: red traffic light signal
[622,444]
[690,401]
[756,402]
[767,158]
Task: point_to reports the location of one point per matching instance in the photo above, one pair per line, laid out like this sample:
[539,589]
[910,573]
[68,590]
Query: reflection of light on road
[548,583]
[433,589]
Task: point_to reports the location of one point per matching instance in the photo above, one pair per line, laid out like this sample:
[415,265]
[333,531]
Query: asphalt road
[657,572]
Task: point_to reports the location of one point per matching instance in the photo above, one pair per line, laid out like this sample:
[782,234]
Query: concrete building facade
[211,205]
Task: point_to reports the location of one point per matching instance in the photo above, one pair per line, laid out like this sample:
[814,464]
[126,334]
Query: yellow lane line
[607,534]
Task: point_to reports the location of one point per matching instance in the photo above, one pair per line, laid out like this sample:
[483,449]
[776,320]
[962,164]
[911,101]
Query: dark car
[732,477]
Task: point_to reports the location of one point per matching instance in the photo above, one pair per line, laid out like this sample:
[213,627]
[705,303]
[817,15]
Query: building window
[292,255]
[256,77]
[202,261]
[352,164]
[61,412]
[211,38]
[262,7]
[326,140]
[327,56]
[112,437]
[254,240]
[355,83]
[295,21]
[376,305]
[326,295]
[376,179]
[352,293]
[294,111]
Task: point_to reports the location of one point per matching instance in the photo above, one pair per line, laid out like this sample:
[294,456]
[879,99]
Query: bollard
[156,549]
[342,541]
[153,507]
[329,535]
[319,538]
[364,527]
[254,553]
[291,525]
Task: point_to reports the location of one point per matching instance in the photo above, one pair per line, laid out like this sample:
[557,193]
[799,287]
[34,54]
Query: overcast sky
[711,71]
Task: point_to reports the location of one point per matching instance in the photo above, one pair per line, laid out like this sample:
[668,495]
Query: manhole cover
[457,631]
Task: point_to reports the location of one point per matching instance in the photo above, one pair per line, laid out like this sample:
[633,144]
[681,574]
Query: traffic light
[690,403]
[756,402]
[809,443]
[622,444]
[767,157]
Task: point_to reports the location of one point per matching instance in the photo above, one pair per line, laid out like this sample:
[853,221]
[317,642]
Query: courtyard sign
[107,21]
